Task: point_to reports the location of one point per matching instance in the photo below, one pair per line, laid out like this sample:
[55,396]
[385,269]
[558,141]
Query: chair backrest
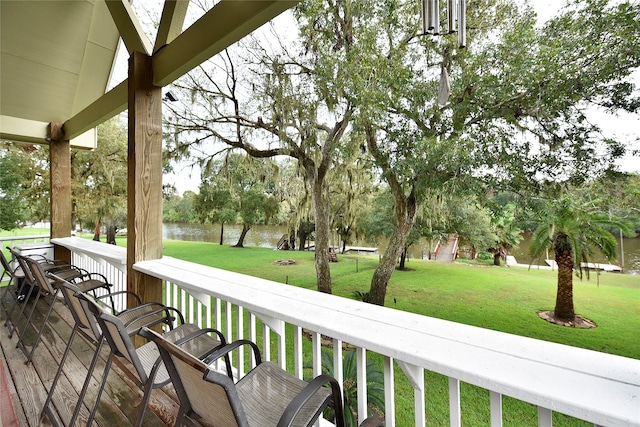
[79,308]
[214,400]
[23,265]
[40,277]
[6,265]
[116,335]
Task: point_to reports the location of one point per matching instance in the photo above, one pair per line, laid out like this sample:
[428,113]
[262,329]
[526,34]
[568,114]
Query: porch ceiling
[57,57]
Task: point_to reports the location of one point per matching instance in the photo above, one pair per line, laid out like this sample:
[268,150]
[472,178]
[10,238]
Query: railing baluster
[208,317]
[389,393]
[545,417]
[454,402]
[240,335]
[316,348]
[252,336]
[496,409]
[191,308]
[228,311]
[176,292]
[361,364]
[338,371]
[282,347]
[266,342]
[183,300]
[297,351]
[218,325]
[199,317]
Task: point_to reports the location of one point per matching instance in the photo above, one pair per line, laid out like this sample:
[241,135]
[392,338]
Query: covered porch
[54,92]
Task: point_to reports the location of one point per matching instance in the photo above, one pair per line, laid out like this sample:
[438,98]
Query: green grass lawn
[501,298]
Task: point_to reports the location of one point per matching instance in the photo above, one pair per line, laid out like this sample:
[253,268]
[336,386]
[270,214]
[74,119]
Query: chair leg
[11,287]
[104,382]
[45,408]
[87,381]
[146,396]
[11,324]
[22,332]
[41,330]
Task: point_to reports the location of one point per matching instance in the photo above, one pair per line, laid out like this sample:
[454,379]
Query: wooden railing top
[100,251]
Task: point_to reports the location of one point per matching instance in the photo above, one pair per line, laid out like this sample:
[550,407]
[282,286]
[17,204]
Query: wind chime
[456,14]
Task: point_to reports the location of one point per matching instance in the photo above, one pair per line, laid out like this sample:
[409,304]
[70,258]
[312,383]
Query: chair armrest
[90,276]
[223,351]
[167,319]
[200,332]
[110,295]
[310,389]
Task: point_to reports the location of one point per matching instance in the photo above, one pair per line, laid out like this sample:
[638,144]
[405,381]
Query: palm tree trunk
[564,298]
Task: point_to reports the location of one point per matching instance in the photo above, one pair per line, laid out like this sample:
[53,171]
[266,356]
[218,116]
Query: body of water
[267,236]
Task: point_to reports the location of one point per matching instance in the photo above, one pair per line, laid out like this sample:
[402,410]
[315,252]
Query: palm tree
[375,386]
[508,235]
[573,234]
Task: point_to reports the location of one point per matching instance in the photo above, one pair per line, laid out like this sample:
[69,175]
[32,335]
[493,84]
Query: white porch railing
[98,257]
[21,240]
[596,387]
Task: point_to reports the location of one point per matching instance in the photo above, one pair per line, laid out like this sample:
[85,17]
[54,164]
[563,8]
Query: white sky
[625,127]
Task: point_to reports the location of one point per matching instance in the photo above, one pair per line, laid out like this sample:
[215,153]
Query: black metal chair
[45,288]
[146,359]
[20,285]
[265,396]
[27,287]
[16,279]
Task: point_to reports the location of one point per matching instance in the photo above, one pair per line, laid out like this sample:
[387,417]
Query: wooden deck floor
[28,384]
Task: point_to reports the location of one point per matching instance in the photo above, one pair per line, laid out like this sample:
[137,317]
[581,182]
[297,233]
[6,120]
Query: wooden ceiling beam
[173,16]
[129,27]
[226,23]
[105,107]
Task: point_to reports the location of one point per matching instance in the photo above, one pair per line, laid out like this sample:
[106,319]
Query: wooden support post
[60,182]
[144,222]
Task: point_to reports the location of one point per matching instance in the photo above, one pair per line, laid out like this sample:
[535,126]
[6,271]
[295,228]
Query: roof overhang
[57,58]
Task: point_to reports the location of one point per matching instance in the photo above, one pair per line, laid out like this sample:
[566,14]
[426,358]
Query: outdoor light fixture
[169,96]
[456,13]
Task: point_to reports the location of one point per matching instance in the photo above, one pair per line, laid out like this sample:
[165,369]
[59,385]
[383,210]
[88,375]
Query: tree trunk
[405,215]
[403,259]
[564,298]
[405,210]
[323,273]
[96,235]
[496,258]
[245,230]
[111,233]
[292,241]
[302,235]
[387,265]
[221,233]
